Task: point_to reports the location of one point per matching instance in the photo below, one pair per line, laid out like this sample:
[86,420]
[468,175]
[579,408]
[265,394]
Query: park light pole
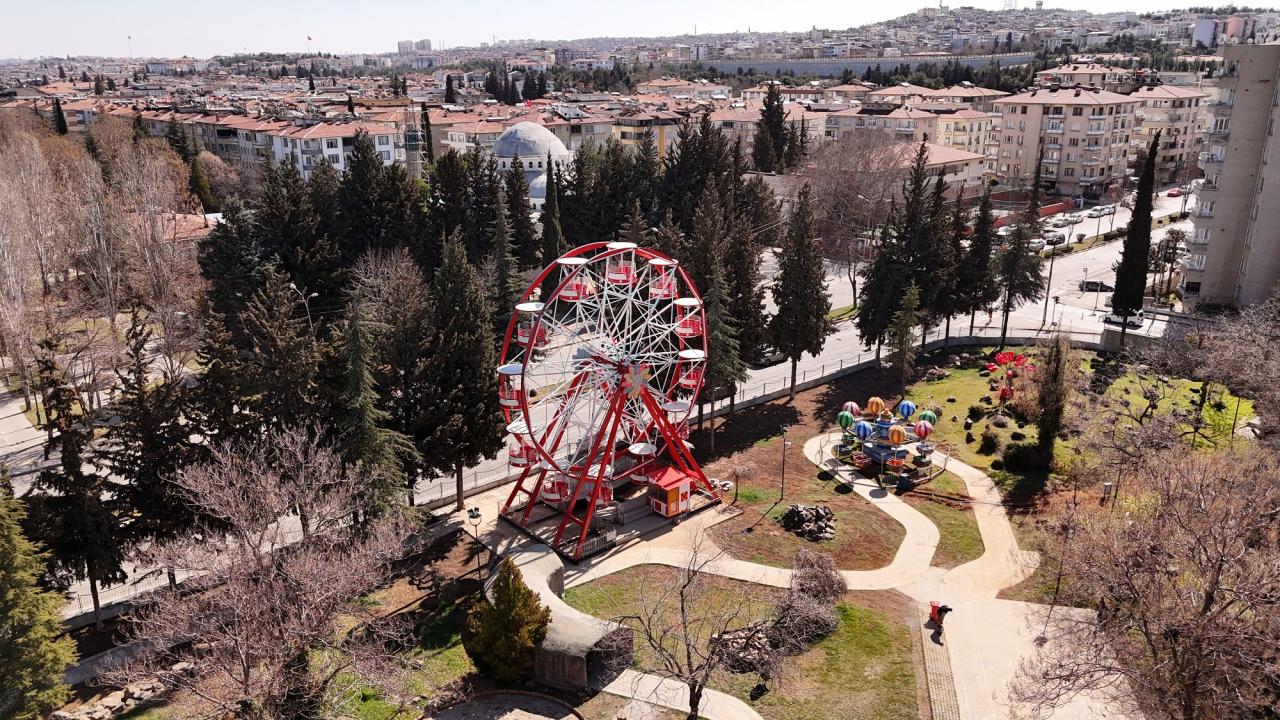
[782,488]
[473,519]
[306,303]
[1048,287]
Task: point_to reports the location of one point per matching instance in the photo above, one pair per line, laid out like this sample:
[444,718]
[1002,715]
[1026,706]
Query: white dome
[528,140]
[538,188]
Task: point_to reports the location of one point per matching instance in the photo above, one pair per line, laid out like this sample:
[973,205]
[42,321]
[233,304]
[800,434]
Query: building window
[384,140]
[331,143]
[1077,112]
[1069,172]
[335,159]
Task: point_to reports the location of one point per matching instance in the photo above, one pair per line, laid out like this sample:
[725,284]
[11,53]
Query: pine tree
[98,87]
[428,145]
[530,86]
[351,105]
[1018,272]
[762,150]
[34,650]
[506,287]
[524,237]
[59,118]
[646,173]
[140,131]
[503,635]
[746,291]
[361,214]
[311,83]
[149,445]
[281,366]
[947,297]
[974,276]
[62,73]
[773,119]
[77,517]
[230,259]
[364,439]
[724,365]
[800,291]
[1054,379]
[484,190]
[450,96]
[1135,256]
[199,186]
[178,140]
[448,202]
[902,334]
[709,238]
[468,420]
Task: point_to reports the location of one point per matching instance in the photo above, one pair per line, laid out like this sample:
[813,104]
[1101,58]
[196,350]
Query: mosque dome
[538,188]
[529,140]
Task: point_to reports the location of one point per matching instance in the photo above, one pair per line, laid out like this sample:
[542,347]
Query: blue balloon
[863,430]
[907,408]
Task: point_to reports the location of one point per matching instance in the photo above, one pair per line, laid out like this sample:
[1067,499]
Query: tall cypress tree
[139,127]
[34,651]
[281,367]
[773,124]
[902,334]
[428,145]
[449,199]
[361,214]
[450,96]
[485,191]
[1018,270]
[1135,256]
[800,290]
[724,366]
[364,438]
[524,237]
[468,421]
[553,244]
[947,297]
[506,287]
[708,241]
[59,118]
[178,140]
[198,183]
[975,278]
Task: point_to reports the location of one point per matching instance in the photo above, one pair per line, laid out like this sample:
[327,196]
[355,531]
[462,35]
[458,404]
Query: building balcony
[1051,161]
[1211,159]
[1100,131]
[1091,162]
[1055,130]
[1218,134]
[1219,108]
[1202,212]
[1051,145]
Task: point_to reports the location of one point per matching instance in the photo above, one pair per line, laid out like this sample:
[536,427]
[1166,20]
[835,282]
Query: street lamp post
[782,488]
[473,519]
[1048,287]
[306,303]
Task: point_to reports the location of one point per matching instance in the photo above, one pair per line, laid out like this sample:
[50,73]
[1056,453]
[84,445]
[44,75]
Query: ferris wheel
[597,381]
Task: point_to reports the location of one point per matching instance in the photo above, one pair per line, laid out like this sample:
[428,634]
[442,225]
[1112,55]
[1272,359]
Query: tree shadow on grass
[743,430]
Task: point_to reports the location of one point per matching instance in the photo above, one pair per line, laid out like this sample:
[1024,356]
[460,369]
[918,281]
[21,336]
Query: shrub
[976,412]
[1000,421]
[990,442]
[1022,457]
[503,634]
[800,621]
[815,574]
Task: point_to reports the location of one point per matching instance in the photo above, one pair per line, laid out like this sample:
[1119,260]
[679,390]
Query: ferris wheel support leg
[506,507]
[675,446]
[574,388]
[610,421]
[598,488]
[533,497]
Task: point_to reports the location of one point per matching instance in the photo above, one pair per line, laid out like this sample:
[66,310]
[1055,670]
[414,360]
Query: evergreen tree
[485,191]
[975,279]
[530,87]
[84,76]
[62,73]
[199,186]
[902,335]
[311,83]
[360,213]
[351,105]
[98,87]
[450,96]
[428,145]
[708,241]
[230,260]
[140,131]
[1054,378]
[448,201]
[762,150]
[59,118]
[149,445]
[724,365]
[1135,256]
[553,244]
[503,634]
[178,140]
[220,408]
[468,420]
[34,651]
[773,119]
[646,173]
[111,84]
[364,438]
[791,156]
[1018,270]
[800,291]
[506,287]
[281,365]
[77,517]
[746,291]
[947,296]
[524,237]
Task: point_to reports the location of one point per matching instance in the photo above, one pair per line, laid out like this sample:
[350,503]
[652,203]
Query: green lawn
[941,500]
[863,671]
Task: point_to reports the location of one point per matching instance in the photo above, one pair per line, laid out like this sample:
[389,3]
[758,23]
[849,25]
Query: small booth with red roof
[669,491]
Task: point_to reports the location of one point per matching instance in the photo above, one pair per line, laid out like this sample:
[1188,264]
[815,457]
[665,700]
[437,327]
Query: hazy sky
[201,29]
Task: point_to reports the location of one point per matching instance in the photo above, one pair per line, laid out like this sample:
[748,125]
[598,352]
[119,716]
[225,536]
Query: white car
[1102,210]
[1035,244]
[1060,220]
[1135,320]
[1075,218]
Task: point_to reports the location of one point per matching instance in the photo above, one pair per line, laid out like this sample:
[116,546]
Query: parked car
[1102,210]
[1062,220]
[1006,231]
[1036,244]
[1094,286]
[1135,320]
[1176,192]
[1076,218]
[1054,238]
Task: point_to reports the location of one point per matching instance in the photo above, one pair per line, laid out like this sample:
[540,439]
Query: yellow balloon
[875,406]
[897,435]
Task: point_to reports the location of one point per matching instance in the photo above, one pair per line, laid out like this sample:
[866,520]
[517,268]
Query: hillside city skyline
[89,30]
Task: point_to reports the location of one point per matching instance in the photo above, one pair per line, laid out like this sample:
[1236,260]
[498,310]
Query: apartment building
[969,130]
[741,123]
[801,93]
[1235,247]
[630,126]
[306,147]
[1176,113]
[904,124]
[1085,134]
[1107,77]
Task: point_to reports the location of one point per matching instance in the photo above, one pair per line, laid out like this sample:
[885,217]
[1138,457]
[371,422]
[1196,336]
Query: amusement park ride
[878,444]
[597,381]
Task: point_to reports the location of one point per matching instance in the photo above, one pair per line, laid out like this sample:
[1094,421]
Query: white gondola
[688,317]
[510,384]
[522,450]
[620,269]
[662,279]
[577,286]
[529,332]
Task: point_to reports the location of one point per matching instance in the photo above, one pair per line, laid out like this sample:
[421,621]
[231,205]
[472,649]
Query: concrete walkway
[21,444]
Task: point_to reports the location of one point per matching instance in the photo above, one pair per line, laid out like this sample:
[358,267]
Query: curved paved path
[986,638]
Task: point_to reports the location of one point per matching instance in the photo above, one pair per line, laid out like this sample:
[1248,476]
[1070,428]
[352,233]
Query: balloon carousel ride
[890,448]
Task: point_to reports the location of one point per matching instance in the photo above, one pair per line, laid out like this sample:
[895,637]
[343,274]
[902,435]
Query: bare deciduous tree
[1184,577]
[272,622]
